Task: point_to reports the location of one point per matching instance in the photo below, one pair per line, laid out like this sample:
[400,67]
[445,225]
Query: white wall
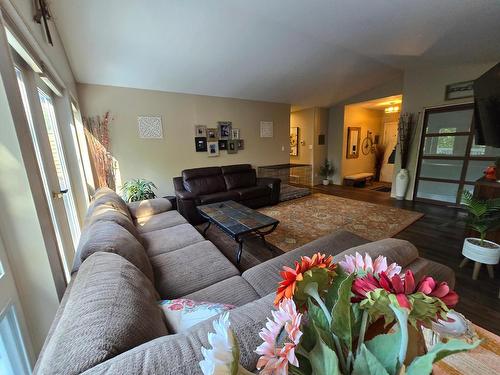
[161,160]
[425,87]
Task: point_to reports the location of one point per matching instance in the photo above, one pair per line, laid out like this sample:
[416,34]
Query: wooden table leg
[491,271]
[475,272]
[464,262]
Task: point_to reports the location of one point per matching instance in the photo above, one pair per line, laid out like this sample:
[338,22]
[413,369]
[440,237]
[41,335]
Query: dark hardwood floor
[438,235]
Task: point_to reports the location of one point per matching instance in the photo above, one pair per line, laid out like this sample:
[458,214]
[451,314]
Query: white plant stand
[480,255]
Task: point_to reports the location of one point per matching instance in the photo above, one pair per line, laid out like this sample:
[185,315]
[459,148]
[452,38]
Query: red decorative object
[490,173]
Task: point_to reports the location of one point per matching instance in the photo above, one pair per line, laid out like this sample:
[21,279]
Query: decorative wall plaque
[150,127]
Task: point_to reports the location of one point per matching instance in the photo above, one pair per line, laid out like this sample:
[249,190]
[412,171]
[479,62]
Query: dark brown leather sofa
[238,182]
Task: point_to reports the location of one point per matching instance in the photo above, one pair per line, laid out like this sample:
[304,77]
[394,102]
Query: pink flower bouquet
[325,312]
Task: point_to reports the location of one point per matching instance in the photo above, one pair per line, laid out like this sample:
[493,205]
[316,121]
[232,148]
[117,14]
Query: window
[449,159]
[13,358]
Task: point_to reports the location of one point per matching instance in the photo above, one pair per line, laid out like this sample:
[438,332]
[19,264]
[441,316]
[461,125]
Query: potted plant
[379,160]
[484,216]
[137,190]
[325,171]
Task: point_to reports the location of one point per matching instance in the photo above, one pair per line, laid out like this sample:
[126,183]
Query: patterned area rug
[305,219]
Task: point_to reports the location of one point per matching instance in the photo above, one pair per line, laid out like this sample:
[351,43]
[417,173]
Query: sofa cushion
[160,221]
[110,199]
[265,277]
[219,197]
[239,176]
[107,236]
[109,213]
[104,316]
[189,269]
[253,192]
[234,291]
[149,207]
[170,239]
[203,180]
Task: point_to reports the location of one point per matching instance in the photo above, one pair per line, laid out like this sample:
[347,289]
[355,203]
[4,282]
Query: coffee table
[238,222]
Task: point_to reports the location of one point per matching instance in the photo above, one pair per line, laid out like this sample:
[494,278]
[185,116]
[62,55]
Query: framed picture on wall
[200,131]
[213,148]
[212,134]
[222,144]
[294,141]
[459,90]
[241,144]
[232,146]
[235,133]
[200,144]
[225,129]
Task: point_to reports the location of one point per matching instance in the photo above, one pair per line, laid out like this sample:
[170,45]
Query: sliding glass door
[449,159]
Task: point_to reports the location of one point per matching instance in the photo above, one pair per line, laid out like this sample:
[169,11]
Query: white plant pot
[402,179]
[326,182]
[481,254]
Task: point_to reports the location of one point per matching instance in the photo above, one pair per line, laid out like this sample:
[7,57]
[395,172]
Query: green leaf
[423,364]
[317,315]
[323,359]
[356,315]
[341,312]
[386,349]
[402,317]
[367,364]
[333,291]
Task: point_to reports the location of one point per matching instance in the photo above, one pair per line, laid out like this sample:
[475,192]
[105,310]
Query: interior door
[389,141]
[14,343]
[38,104]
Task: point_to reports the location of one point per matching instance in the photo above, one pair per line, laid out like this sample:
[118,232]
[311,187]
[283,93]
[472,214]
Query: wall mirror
[294,141]
[353,138]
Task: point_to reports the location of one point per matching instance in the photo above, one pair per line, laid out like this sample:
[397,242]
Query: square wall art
[150,127]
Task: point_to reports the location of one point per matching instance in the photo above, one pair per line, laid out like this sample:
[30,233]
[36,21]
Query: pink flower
[281,336]
[356,262]
[442,291]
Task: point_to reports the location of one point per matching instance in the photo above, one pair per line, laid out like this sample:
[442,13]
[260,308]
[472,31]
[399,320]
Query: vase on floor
[402,180]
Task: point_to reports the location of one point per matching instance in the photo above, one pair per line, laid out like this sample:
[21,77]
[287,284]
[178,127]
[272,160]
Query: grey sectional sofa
[132,255]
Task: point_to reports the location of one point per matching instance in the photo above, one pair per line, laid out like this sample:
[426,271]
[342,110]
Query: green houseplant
[484,216]
[138,189]
[325,171]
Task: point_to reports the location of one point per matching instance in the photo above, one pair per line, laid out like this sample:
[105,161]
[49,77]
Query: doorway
[38,101]
[375,125]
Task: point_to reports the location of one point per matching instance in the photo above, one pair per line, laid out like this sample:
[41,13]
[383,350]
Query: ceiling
[305,53]
[381,104]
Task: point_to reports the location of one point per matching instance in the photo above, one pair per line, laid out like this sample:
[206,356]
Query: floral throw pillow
[182,314]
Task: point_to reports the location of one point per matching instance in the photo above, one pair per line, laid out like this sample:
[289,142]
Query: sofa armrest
[185,195]
[274,184]
[180,353]
[148,207]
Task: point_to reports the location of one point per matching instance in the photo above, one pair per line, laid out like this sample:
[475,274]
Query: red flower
[440,290]
[362,286]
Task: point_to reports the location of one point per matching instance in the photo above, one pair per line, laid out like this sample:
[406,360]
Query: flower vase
[416,344]
[402,179]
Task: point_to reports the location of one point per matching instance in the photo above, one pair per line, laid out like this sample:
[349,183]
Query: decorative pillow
[182,314]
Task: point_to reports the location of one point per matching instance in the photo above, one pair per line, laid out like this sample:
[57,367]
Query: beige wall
[161,160]
[368,120]
[425,87]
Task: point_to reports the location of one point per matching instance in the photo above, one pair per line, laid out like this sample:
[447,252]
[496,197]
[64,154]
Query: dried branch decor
[96,132]
[406,131]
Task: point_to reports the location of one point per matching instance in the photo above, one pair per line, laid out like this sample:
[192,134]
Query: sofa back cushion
[239,176]
[148,207]
[108,197]
[202,181]
[109,237]
[105,212]
[111,309]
